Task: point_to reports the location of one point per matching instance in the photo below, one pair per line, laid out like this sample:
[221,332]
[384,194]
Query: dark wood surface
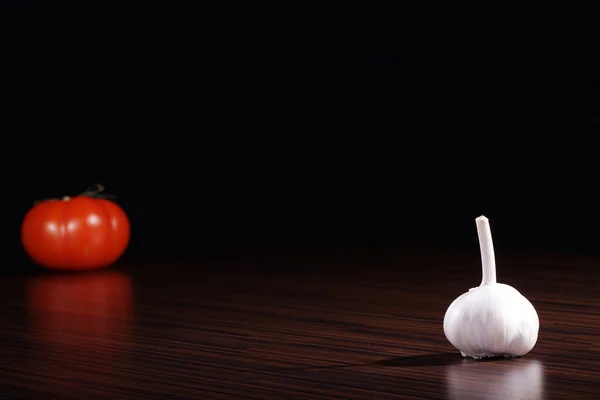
[362,325]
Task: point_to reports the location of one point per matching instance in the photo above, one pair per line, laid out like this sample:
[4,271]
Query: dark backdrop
[233,129]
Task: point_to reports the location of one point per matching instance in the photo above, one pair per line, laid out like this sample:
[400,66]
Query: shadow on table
[422,360]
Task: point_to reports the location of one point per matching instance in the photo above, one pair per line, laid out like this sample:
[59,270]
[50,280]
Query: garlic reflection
[493,319]
[515,379]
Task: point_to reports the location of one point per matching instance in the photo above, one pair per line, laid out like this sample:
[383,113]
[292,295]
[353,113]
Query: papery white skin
[493,319]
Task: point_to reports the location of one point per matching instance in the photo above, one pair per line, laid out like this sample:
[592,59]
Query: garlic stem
[488,261]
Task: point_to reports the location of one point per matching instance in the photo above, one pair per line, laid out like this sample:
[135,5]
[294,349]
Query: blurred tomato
[79,233]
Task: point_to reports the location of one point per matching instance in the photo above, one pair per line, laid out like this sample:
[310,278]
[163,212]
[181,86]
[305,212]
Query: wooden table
[332,325]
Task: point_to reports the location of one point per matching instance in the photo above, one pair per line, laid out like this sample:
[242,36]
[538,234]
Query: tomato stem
[35,203]
[93,191]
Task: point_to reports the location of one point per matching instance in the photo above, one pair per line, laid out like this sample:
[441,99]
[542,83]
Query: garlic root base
[484,356]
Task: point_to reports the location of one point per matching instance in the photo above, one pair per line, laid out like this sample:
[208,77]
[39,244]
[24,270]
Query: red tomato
[79,233]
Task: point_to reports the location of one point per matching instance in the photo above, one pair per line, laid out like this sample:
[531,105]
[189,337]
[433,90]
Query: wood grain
[333,326]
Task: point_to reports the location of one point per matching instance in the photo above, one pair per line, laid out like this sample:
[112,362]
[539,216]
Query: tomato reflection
[80,330]
[83,305]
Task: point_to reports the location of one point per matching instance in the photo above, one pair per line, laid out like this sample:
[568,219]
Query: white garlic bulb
[493,319]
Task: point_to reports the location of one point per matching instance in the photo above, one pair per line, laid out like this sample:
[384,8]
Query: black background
[241,128]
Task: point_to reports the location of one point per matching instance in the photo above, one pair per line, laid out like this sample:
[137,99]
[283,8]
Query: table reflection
[79,328]
[82,305]
[521,379]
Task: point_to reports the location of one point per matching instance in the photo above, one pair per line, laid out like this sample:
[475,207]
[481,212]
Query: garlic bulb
[493,319]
